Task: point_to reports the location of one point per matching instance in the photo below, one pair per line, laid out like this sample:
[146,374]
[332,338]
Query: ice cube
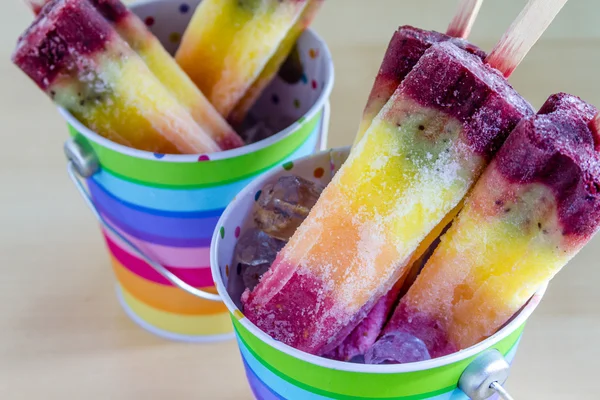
[397,348]
[282,206]
[255,129]
[254,254]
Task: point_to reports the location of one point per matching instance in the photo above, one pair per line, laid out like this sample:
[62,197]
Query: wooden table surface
[62,333]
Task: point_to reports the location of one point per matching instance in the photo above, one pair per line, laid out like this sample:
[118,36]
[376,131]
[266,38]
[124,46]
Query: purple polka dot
[237,232]
[203,157]
[184,8]
[275,99]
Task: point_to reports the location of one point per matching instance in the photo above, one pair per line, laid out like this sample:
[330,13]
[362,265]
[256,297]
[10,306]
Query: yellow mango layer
[127,104]
[238,114]
[170,74]
[229,42]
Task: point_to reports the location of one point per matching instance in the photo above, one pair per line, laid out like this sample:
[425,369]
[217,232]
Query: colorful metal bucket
[168,205]
[277,371]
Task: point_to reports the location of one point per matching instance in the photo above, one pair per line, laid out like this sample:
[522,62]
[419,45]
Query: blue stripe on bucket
[172,200]
[260,390]
[272,381]
[97,188]
[187,200]
[168,227]
[154,239]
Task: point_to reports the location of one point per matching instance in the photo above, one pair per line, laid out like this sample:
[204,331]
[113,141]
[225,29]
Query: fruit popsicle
[228,43]
[133,30]
[406,47]
[74,55]
[238,114]
[535,206]
[404,51]
[416,162]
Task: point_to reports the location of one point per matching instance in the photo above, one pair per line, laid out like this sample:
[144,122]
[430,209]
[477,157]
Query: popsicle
[237,115]
[406,48]
[415,163]
[228,43]
[536,205]
[73,54]
[133,30]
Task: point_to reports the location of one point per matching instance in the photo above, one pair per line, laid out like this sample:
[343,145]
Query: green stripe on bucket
[184,175]
[354,385]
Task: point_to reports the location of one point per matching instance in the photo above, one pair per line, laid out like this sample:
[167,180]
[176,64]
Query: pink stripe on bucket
[197,277]
[182,257]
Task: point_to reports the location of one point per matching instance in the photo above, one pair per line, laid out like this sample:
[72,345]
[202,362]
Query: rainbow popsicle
[230,42]
[74,55]
[133,30]
[404,51]
[415,163]
[236,117]
[534,208]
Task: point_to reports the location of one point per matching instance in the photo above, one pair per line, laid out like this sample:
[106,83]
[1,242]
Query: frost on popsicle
[534,208]
[416,162]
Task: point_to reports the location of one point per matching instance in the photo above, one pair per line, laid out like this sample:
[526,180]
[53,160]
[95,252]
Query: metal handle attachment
[83,164]
[485,376]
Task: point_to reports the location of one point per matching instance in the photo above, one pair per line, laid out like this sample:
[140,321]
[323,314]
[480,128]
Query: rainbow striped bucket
[277,371]
[161,210]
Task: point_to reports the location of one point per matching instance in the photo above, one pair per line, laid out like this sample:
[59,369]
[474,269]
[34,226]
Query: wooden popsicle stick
[523,34]
[36,5]
[464,18]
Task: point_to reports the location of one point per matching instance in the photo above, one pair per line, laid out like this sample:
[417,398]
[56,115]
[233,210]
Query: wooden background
[62,333]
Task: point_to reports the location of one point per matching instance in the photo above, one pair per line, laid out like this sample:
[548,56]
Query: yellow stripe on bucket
[206,325]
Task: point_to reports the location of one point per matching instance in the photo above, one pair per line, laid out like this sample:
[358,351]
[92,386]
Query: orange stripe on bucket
[165,298]
[193,325]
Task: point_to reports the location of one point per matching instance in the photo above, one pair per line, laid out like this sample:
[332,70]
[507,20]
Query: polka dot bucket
[277,371]
[164,208]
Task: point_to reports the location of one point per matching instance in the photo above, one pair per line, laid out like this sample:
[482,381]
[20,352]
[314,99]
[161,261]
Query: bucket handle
[83,164]
[485,376]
